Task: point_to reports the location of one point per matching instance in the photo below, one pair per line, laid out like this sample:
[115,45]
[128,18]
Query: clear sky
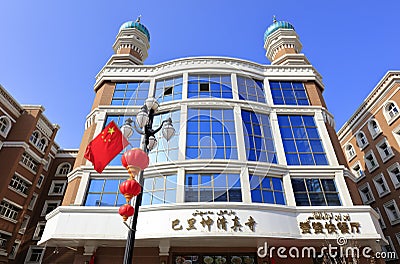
[51,51]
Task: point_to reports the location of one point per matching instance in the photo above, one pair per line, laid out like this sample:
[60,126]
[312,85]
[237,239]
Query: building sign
[224,220]
[329,223]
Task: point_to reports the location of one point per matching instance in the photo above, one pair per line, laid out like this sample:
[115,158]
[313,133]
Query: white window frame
[368,163]
[29,254]
[389,213]
[359,143]
[8,128]
[35,140]
[17,212]
[356,173]
[46,204]
[22,181]
[363,196]
[374,133]
[381,151]
[393,177]
[29,163]
[378,186]
[3,252]
[39,226]
[24,224]
[47,165]
[389,239]
[390,119]
[34,198]
[381,221]
[16,245]
[396,134]
[53,184]
[350,151]
[40,183]
[60,168]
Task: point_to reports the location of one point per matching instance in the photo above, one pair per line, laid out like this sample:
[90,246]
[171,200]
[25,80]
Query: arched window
[63,169]
[391,111]
[35,137]
[42,144]
[374,128]
[350,152]
[361,140]
[5,125]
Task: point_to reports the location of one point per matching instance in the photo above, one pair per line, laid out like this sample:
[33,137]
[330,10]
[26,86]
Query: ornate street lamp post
[144,121]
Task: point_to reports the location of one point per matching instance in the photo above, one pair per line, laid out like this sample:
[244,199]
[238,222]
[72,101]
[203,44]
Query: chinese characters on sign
[329,223]
[224,219]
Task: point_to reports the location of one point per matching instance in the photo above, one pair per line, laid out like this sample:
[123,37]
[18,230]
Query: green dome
[275,26]
[139,26]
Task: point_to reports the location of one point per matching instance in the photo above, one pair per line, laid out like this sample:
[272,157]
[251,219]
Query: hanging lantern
[126,211]
[134,161]
[129,189]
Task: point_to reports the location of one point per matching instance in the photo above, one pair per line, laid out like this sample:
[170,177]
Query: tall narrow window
[258,137]
[35,137]
[211,134]
[357,170]
[301,140]
[385,151]
[370,161]
[251,89]
[169,89]
[392,212]
[374,128]
[366,193]
[361,140]
[218,86]
[5,125]
[350,152]
[288,93]
[391,110]
[381,185]
[166,150]
[394,173]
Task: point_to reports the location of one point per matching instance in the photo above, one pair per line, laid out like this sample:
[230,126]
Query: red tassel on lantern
[129,189]
[126,211]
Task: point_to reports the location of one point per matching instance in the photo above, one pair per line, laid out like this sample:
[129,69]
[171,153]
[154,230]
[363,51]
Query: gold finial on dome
[274,19]
[138,19]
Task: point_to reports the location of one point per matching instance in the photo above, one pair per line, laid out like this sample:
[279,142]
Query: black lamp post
[144,120]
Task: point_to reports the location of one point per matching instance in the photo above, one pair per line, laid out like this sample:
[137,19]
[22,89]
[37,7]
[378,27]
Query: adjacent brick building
[371,140]
[33,175]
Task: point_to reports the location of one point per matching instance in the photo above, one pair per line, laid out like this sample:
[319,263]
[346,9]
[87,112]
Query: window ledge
[364,146]
[373,169]
[9,219]
[359,178]
[18,192]
[391,120]
[388,157]
[56,194]
[384,194]
[29,169]
[3,252]
[395,222]
[374,136]
[370,201]
[351,158]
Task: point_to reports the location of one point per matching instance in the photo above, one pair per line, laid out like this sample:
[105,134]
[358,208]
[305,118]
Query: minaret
[283,45]
[131,44]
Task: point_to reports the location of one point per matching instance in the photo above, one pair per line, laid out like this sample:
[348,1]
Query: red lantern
[135,160]
[129,189]
[126,211]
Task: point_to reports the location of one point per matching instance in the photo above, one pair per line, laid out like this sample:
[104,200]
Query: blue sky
[51,51]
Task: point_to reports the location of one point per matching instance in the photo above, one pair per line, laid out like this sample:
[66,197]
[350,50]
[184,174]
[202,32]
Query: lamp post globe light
[144,120]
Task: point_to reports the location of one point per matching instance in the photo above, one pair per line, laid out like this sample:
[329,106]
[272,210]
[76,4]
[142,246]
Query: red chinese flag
[103,148]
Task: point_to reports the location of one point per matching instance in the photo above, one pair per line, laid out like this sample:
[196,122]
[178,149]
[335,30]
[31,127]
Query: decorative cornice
[10,102]
[222,64]
[67,153]
[16,144]
[390,78]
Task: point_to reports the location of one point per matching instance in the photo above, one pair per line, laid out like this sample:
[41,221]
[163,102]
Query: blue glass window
[250,89]
[169,90]
[165,150]
[104,192]
[213,188]
[301,141]
[266,190]
[218,86]
[288,93]
[211,134]
[134,139]
[315,192]
[258,138]
[159,190]
[133,93]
